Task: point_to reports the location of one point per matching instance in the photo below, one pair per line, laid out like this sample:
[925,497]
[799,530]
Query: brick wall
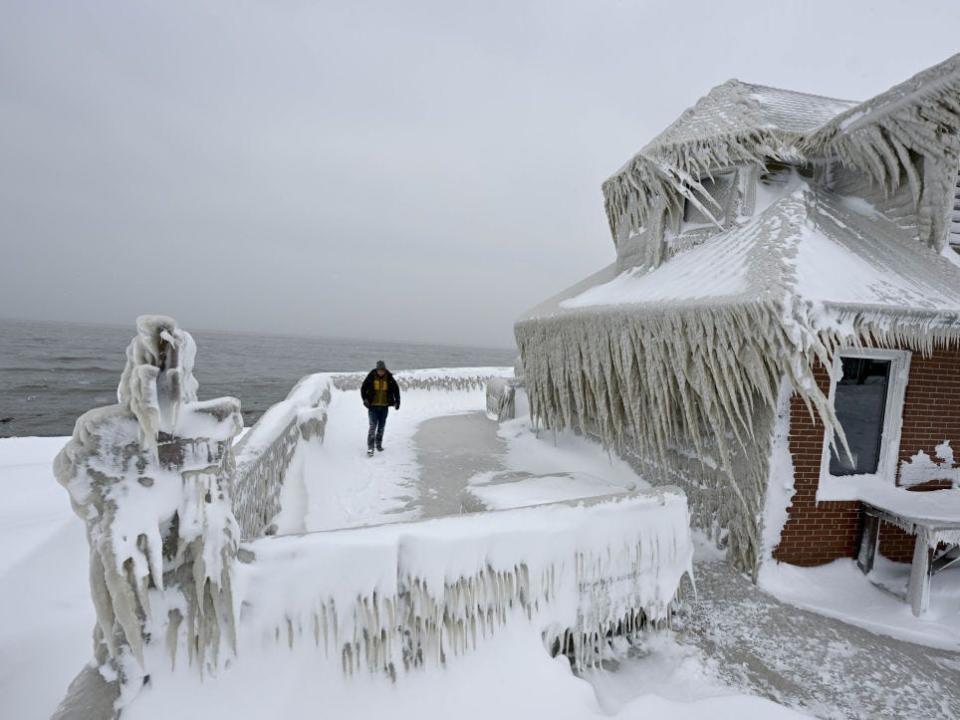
[816,533]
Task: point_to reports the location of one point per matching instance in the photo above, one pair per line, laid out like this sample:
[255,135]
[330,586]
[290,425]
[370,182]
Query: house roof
[738,123]
[739,108]
[812,248]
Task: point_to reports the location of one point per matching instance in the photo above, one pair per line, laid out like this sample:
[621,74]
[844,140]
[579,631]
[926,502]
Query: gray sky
[406,170]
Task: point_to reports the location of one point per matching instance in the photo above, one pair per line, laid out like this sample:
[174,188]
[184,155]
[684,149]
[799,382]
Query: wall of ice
[395,597]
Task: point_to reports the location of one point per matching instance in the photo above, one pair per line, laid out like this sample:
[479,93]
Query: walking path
[451,450]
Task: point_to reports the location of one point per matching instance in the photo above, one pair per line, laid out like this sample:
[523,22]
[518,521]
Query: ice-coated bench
[932,517]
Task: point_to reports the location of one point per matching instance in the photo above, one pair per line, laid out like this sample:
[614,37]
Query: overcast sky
[409,170]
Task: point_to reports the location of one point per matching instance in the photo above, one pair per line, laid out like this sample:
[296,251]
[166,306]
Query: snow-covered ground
[45,624]
[805,659]
[442,456]
[46,615]
[841,591]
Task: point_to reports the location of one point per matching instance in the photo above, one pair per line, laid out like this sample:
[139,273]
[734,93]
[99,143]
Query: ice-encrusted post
[151,478]
[501,399]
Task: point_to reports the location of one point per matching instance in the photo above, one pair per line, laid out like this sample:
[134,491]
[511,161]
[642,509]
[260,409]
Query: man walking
[379,391]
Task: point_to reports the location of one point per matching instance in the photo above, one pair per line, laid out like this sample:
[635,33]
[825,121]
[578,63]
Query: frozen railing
[264,453]
[393,597]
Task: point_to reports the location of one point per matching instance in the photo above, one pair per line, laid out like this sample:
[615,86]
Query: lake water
[51,373]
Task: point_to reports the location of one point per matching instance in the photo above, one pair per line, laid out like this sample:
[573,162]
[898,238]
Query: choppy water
[50,373]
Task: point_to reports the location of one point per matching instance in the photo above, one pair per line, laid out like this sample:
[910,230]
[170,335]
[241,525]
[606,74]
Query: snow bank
[45,609]
[393,597]
[780,488]
[839,590]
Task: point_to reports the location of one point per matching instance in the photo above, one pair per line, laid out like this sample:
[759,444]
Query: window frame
[846,487]
[732,205]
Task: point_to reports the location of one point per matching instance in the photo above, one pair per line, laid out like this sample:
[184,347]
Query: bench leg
[869,532]
[919,589]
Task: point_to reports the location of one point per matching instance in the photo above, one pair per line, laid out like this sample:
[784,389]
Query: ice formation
[151,478]
[501,399]
[158,376]
[395,597]
[676,355]
[909,134]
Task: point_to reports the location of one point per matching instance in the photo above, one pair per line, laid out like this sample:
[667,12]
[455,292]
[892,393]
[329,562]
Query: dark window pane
[719,188]
[860,399]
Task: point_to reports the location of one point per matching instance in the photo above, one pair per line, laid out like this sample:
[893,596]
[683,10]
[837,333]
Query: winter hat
[381,365]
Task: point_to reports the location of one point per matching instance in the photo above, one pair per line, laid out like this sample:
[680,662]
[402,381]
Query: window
[860,401]
[867,396]
[720,187]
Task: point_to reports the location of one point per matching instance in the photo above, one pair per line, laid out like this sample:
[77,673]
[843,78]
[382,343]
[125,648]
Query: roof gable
[737,108]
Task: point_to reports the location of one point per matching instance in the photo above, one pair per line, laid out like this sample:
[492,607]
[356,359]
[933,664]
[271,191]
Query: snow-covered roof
[737,108]
[738,124]
[811,247]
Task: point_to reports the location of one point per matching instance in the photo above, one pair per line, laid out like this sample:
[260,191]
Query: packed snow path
[804,660]
[442,456]
[450,451]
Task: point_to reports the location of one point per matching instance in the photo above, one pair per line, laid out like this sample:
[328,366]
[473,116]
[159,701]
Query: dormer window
[776,174]
[721,188]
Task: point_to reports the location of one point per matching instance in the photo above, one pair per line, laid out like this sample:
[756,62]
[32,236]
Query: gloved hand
[366,404]
[397,406]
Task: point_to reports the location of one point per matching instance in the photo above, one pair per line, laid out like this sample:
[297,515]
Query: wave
[44,368]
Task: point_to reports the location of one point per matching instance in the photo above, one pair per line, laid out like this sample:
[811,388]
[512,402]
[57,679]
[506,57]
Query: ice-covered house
[779,331]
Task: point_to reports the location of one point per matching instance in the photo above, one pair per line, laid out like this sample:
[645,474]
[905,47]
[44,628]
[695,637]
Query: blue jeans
[378,418]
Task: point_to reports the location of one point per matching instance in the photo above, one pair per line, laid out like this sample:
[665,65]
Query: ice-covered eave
[917,329]
[909,134]
[661,177]
[654,377]
[662,371]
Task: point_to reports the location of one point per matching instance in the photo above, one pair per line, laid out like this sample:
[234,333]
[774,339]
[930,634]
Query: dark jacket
[393,390]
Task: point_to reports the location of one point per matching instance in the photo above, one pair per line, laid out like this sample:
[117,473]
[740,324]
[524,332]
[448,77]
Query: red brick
[817,533]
